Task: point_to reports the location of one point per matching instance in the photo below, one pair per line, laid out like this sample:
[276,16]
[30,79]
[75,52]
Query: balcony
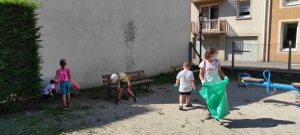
[213,26]
[198,1]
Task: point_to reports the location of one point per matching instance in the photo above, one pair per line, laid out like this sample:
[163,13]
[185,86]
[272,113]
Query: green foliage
[164,79]
[19,54]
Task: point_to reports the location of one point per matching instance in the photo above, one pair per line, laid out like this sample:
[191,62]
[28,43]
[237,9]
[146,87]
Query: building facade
[284,30]
[231,25]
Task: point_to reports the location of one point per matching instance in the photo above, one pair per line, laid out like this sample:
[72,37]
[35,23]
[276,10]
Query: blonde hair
[186,64]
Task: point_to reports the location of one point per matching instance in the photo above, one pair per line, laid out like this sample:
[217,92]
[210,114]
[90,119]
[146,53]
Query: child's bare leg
[181,100]
[188,99]
[68,97]
[130,92]
[119,94]
[64,100]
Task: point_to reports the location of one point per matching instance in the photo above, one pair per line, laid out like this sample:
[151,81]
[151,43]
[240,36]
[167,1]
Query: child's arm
[56,76]
[128,83]
[70,75]
[193,83]
[119,88]
[176,84]
[50,92]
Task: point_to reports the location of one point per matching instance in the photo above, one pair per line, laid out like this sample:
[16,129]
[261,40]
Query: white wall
[254,26]
[99,37]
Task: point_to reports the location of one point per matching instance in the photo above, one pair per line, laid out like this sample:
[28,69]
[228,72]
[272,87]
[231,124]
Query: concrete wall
[99,37]
[279,15]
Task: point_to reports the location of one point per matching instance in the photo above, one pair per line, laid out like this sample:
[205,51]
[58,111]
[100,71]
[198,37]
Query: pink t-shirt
[67,70]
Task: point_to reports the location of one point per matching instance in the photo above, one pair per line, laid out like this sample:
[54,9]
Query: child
[240,76]
[50,89]
[187,83]
[64,75]
[123,81]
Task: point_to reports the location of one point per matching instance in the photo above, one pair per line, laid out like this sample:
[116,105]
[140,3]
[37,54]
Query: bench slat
[132,83]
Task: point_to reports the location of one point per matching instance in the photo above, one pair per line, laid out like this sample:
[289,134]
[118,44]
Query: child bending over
[123,80]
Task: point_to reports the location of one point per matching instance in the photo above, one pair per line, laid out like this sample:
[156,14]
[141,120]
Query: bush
[19,53]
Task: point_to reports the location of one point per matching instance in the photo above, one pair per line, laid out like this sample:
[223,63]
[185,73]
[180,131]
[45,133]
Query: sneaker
[180,107]
[64,108]
[117,102]
[134,99]
[189,105]
[69,104]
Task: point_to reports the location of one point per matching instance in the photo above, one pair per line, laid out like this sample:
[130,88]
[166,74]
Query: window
[210,14]
[291,2]
[289,32]
[244,9]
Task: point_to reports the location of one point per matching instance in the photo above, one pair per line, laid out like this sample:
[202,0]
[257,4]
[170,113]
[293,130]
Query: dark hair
[62,63]
[209,51]
[52,81]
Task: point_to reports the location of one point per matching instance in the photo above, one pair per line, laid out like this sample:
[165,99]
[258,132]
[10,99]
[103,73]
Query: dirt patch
[252,111]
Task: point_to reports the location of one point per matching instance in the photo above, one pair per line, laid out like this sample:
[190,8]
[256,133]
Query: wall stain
[129,37]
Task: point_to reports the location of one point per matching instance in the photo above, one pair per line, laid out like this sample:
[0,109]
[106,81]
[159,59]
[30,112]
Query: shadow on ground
[255,123]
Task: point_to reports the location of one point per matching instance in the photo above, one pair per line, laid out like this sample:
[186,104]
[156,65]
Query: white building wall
[254,26]
[99,37]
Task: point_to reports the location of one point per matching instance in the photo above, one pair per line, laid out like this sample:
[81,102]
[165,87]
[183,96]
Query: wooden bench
[177,68]
[136,78]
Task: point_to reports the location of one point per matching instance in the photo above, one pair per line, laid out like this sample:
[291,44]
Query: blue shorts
[65,87]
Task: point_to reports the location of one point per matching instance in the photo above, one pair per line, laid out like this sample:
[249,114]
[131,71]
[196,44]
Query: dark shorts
[123,85]
[48,95]
[185,93]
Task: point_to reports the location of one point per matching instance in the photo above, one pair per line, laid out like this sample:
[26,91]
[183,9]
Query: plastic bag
[216,98]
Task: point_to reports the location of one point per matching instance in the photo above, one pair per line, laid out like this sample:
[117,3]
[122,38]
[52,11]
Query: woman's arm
[201,74]
[220,71]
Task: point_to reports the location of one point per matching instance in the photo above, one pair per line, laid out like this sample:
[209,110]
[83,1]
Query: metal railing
[252,56]
[213,26]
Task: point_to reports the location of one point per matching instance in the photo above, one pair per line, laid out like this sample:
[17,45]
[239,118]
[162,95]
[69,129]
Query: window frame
[284,3]
[238,10]
[281,28]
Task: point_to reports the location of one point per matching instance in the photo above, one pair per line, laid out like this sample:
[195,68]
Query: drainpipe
[267,30]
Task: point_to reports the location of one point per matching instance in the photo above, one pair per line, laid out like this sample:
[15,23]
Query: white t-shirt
[46,90]
[211,73]
[185,77]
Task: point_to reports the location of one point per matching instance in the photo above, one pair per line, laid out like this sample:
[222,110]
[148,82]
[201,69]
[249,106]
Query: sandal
[217,121]
[208,116]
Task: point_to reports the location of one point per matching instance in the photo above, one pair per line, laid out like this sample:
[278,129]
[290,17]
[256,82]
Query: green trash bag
[216,98]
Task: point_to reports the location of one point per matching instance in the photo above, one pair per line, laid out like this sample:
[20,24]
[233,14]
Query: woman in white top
[210,71]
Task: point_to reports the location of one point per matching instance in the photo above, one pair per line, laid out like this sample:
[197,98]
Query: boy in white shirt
[50,89]
[187,84]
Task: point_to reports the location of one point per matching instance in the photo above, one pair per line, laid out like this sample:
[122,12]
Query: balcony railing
[213,26]
[198,1]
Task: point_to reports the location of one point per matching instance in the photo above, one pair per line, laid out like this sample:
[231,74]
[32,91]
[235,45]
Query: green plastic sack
[216,98]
